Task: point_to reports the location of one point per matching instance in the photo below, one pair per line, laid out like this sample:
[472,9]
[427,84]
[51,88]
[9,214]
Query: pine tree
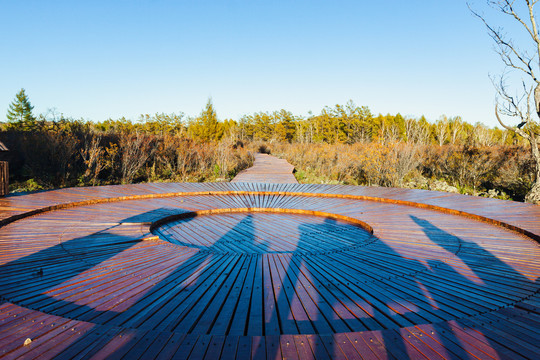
[19,114]
[207,127]
[285,126]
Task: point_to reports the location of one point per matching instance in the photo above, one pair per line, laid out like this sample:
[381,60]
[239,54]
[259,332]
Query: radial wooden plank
[267,270]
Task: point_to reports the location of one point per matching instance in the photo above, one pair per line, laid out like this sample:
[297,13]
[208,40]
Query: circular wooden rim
[469,215]
[192,214]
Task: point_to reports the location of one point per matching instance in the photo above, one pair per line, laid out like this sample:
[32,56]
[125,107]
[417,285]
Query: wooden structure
[4,173]
[259,270]
[268,169]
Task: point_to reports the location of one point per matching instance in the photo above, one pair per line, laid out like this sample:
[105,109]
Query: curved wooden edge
[192,214]
[470,215]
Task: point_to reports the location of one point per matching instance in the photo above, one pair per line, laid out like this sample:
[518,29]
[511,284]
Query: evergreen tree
[207,127]
[210,122]
[19,114]
[285,126]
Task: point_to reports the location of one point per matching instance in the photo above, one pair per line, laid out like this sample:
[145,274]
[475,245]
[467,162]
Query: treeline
[344,144]
[350,124]
[342,124]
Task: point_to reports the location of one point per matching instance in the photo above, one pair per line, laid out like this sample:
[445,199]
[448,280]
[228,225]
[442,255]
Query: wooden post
[4,178]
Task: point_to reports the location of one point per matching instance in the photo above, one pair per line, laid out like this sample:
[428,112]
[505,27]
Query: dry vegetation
[501,171]
[58,158]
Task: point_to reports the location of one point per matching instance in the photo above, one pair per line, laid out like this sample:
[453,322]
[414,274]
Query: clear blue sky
[106,59]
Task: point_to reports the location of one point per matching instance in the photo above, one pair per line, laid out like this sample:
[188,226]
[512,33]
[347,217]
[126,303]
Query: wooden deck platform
[266,271]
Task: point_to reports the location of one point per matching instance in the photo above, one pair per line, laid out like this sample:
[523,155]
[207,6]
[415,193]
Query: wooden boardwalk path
[267,169]
[266,271]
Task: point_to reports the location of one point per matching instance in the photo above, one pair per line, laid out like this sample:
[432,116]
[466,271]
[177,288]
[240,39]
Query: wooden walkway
[268,169]
[266,271]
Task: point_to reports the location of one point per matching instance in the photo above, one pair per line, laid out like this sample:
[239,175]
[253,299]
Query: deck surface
[259,270]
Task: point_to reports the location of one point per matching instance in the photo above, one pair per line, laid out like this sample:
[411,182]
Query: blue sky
[106,59]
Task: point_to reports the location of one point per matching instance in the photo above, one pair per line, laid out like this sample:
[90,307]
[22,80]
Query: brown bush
[55,157]
[507,169]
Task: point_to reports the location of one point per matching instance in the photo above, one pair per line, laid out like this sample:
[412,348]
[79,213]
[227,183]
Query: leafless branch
[514,129]
[507,50]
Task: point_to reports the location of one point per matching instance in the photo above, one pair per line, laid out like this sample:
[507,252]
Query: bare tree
[455,129]
[390,133]
[441,130]
[482,136]
[92,154]
[524,60]
[410,126]
[407,158]
[136,150]
[416,132]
